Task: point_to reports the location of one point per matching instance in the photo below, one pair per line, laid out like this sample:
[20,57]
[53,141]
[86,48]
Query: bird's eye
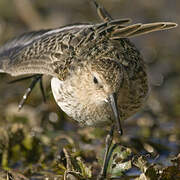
[95,80]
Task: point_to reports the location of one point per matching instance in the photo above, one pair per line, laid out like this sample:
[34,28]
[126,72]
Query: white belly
[61,98]
[65,97]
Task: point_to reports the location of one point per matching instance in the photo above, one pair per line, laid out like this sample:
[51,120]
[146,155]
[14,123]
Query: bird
[99,77]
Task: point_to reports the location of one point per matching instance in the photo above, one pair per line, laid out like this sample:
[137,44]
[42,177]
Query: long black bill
[113,102]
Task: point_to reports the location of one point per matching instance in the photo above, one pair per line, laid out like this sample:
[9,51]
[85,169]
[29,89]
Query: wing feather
[47,51]
[32,53]
[140,29]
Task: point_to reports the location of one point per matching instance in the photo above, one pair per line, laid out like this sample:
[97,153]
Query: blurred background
[29,135]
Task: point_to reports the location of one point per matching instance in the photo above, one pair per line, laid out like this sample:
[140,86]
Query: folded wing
[47,51]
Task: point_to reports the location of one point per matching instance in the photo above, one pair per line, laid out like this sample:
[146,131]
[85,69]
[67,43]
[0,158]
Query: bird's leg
[106,159]
[42,89]
[102,13]
[28,91]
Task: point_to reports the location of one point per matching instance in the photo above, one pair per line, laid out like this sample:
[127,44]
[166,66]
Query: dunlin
[98,76]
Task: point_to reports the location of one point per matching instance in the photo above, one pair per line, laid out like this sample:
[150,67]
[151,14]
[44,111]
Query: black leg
[42,89]
[109,139]
[29,90]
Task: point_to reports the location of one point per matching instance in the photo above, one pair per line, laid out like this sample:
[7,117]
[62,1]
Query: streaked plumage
[98,75]
[68,53]
[75,55]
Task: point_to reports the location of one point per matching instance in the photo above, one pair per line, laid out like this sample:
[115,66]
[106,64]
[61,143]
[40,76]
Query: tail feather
[152,27]
[119,21]
[126,31]
[139,29]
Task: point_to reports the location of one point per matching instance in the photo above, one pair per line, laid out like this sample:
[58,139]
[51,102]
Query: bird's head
[91,86]
[97,83]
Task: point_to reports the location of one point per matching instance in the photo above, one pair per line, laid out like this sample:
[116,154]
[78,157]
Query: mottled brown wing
[32,66]
[140,29]
[11,60]
[114,29]
[51,51]
[37,52]
[121,31]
